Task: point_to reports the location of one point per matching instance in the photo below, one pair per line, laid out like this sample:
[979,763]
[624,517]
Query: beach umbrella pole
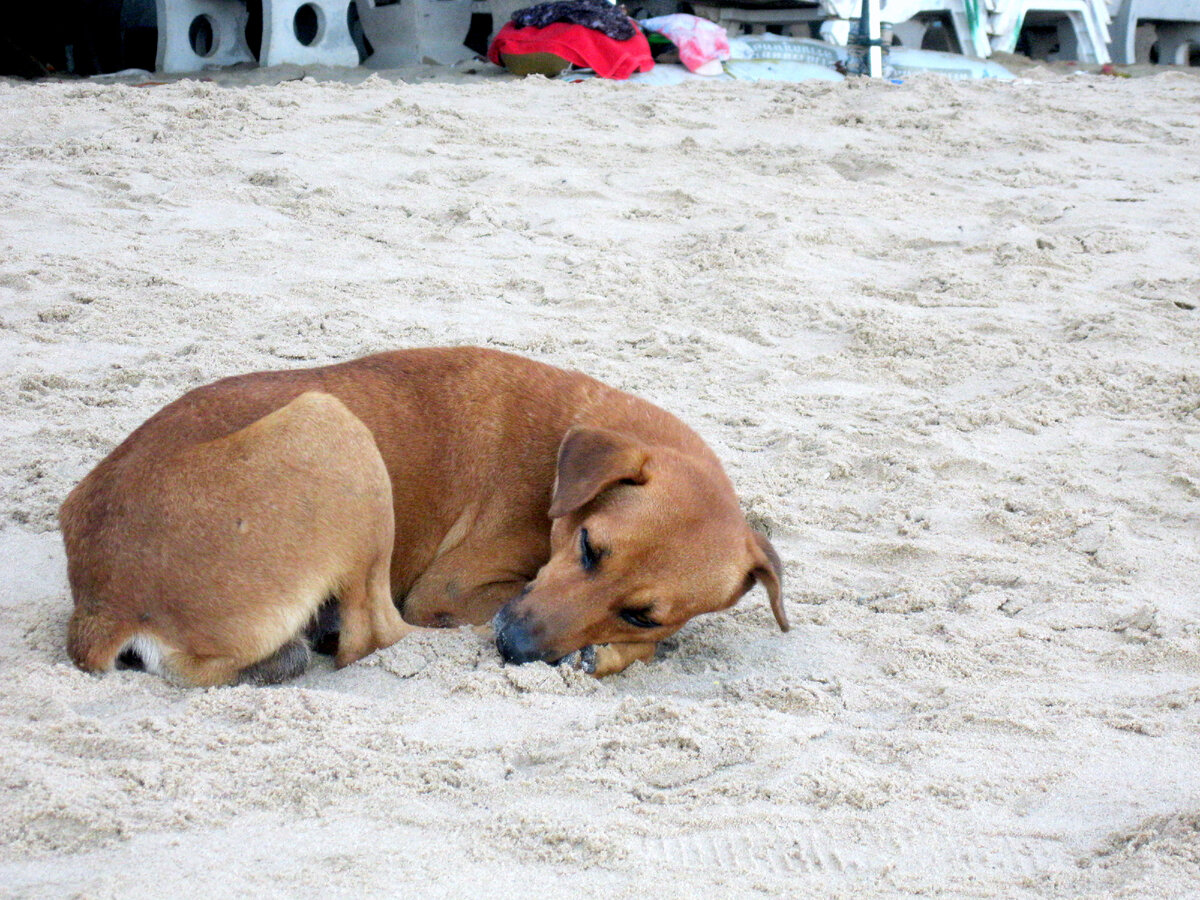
[868,39]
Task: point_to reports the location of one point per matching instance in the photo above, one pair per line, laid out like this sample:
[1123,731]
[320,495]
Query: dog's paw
[581,660]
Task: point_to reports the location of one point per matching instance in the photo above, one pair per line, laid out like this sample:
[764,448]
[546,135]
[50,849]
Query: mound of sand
[944,335]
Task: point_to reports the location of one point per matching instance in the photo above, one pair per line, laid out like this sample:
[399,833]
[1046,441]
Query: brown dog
[582,518]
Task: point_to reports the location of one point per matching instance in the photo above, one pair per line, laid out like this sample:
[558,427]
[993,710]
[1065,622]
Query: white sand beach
[944,335]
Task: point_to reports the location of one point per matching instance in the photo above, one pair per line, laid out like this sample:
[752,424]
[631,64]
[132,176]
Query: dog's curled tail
[98,643]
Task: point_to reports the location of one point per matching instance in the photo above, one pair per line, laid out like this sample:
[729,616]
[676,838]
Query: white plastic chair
[1176,27]
[1177,41]
[413,31]
[735,19]
[835,15]
[1082,32]
[197,34]
[971,31]
[307,32]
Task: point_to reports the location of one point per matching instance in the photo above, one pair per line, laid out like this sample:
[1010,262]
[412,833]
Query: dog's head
[642,539]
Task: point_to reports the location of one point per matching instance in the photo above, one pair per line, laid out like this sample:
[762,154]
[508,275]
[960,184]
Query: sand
[944,335]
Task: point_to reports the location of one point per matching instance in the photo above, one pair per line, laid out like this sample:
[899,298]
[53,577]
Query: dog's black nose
[514,639]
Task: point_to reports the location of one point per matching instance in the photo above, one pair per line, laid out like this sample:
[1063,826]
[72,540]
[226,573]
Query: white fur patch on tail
[148,651]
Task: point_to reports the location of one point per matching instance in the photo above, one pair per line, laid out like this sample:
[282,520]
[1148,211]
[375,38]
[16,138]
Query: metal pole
[870,28]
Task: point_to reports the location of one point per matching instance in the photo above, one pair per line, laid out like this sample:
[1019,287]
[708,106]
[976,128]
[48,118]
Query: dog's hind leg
[287,662]
[202,671]
[369,618]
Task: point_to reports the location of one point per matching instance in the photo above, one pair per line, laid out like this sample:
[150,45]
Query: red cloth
[582,46]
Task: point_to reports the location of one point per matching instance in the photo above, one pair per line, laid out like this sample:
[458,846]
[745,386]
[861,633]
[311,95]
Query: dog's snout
[515,638]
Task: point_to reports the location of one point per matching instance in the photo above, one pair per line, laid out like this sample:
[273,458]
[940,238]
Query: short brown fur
[494,464]
[218,553]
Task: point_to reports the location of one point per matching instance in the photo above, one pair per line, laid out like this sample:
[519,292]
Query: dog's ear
[768,572]
[591,460]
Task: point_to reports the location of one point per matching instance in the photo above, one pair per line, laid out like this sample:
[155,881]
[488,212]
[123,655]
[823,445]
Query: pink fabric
[700,41]
[584,47]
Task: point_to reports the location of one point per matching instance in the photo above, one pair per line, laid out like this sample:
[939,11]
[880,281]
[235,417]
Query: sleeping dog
[430,487]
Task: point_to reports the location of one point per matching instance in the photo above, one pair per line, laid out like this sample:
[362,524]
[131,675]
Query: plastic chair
[1081,27]
[1176,25]
[414,31]
[307,32]
[196,34]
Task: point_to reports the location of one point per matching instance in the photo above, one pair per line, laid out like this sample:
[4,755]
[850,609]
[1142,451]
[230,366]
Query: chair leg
[307,32]
[198,34]
[1178,43]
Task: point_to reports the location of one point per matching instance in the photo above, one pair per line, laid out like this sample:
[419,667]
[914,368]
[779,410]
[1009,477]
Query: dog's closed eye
[638,617]
[589,556]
